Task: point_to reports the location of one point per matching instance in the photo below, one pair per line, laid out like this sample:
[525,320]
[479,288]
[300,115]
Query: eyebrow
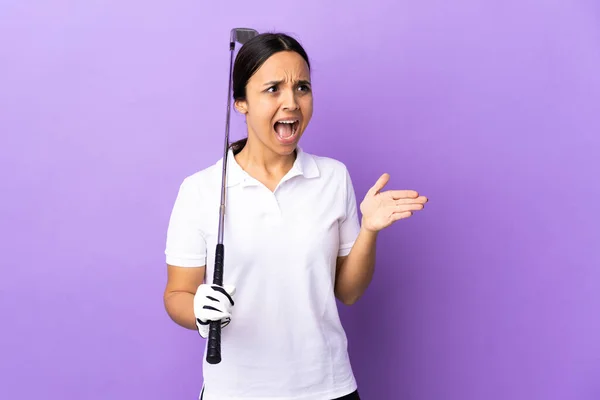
[275,83]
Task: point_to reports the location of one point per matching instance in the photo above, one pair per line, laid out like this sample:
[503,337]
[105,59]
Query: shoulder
[325,163]
[202,180]
[330,169]
[329,163]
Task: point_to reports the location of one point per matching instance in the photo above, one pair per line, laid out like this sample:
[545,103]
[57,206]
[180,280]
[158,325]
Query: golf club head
[242,35]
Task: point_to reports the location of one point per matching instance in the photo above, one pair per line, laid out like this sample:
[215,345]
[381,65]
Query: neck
[259,161]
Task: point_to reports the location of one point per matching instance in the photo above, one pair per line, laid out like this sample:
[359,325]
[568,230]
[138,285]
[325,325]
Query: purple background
[492,109]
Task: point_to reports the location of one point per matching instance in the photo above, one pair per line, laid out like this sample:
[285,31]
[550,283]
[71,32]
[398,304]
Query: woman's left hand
[381,209]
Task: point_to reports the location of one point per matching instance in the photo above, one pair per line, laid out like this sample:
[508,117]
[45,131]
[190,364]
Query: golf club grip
[213,350]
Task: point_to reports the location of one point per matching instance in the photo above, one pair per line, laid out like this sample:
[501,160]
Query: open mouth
[286,129]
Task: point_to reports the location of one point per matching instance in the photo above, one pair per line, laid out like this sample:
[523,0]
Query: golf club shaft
[213,353]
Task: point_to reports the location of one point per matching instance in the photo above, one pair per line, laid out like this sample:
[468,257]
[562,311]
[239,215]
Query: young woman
[294,242]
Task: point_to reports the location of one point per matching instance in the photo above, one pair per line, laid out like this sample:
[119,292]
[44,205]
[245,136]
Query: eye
[304,88]
[272,89]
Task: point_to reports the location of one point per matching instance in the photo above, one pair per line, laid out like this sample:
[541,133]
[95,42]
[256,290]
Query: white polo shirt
[285,340]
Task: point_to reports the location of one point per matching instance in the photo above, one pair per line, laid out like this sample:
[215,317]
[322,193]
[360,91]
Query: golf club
[213,352]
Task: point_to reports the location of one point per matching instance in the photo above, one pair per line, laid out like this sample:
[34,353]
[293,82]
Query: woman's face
[279,102]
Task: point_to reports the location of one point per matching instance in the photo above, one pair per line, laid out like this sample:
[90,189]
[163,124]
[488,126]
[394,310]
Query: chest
[290,233]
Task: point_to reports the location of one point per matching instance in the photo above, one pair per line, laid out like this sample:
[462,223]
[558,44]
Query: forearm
[180,307]
[356,272]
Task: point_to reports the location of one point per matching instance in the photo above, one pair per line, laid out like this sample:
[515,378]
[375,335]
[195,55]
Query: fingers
[404,194]
[401,215]
[226,293]
[213,302]
[211,313]
[405,208]
[203,326]
[230,289]
[219,293]
[408,207]
[381,182]
[418,200]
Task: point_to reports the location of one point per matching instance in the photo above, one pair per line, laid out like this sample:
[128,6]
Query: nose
[290,102]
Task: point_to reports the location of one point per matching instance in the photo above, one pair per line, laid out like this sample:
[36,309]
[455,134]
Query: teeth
[287,122]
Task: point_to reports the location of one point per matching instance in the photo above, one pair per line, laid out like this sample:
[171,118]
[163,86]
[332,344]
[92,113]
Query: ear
[241,106]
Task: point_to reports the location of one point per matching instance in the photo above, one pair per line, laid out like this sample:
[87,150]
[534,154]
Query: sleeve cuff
[345,249]
[186,262]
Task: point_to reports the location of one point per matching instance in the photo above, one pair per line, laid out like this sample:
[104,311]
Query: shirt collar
[304,165]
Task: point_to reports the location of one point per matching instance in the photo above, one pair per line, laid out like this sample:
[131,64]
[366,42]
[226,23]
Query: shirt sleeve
[350,225]
[186,243]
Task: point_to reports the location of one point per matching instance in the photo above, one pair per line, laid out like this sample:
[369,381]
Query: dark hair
[250,58]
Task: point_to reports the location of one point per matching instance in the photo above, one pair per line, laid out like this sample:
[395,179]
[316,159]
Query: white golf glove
[213,303]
